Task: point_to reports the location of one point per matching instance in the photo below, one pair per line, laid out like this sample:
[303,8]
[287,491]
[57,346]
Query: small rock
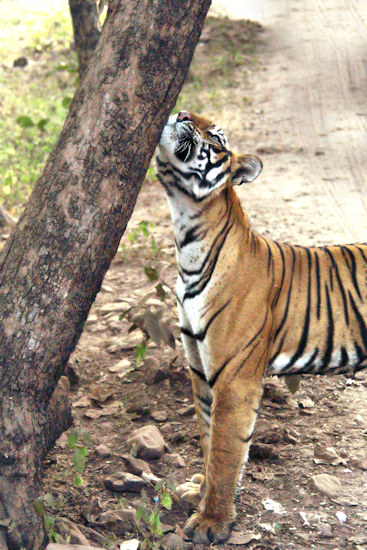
[155,375]
[187,411]
[327,485]
[121,366]
[139,404]
[124,481]
[305,403]
[149,442]
[20,62]
[325,530]
[121,521]
[132,544]
[103,451]
[72,372]
[263,452]
[84,401]
[176,460]
[242,538]
[159,416]
[137,466]
[151,362]
[173,542]
[93,414]
[178,436]
[289,438]
[327,455]
[362,464]
[92,511]
[92,319]
[341,516]
[99,393]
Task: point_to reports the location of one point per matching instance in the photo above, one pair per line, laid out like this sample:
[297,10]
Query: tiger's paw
[206,530]
[192,491]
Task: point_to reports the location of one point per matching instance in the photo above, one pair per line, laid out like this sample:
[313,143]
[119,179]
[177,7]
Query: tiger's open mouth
[188,139]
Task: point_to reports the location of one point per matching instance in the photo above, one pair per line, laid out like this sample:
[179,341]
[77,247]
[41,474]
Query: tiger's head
[194,153]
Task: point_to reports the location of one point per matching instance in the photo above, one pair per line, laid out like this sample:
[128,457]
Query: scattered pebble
[148,441]
[132,544]
[186,411]
[159,416]
[327,485]
[137,466]
[103,451]
[176,460]
[173,542]
[120,366]
[124,481]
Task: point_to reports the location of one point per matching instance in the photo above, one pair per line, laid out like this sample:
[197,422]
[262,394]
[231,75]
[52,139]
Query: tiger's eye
[216,140]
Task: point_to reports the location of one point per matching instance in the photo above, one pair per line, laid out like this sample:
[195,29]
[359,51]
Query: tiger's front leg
[234,411]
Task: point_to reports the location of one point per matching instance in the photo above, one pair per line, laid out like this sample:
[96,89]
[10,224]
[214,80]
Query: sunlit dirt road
[313,97]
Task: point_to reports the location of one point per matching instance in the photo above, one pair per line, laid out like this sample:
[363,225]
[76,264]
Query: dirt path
[313,94]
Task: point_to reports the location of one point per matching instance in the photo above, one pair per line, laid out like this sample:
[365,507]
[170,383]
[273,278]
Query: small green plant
[79,458]
[148,518]
[43,505]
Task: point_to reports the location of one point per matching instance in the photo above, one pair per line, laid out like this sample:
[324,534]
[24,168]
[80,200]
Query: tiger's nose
[181,117]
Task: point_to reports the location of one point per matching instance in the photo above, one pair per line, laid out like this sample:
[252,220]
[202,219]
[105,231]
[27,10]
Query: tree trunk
[53,264]
[86,34]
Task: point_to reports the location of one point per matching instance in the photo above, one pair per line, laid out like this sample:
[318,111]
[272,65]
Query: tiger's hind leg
[234,411]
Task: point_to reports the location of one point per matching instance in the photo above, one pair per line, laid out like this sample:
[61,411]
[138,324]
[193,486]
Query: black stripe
[246,439]
[344,360]
[361,252]
[288,296]
[198,373]
[310,363]
[203,282]
[207,401]
[362,326]
[214,378]
[193,234]
[330,333]
[165,186]
[201,335]
[278,350]
[277,294]
[352,268]
[340,284]
[306,323]
[318,284]
[207,257]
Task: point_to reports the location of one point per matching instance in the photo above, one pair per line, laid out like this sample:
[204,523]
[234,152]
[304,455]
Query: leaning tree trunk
[86,34]
[53,264]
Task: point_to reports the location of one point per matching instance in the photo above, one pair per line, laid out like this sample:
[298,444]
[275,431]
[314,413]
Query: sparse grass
[35,98]
[41,32]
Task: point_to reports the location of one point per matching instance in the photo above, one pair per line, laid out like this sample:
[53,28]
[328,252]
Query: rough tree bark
[86,34]
[53,264]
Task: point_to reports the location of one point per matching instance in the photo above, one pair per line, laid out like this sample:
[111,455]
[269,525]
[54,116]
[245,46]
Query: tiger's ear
[246,169]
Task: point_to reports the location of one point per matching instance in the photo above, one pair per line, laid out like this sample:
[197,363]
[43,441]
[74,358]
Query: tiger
[247,306]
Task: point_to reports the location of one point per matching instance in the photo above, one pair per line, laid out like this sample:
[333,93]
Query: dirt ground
[301,105]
